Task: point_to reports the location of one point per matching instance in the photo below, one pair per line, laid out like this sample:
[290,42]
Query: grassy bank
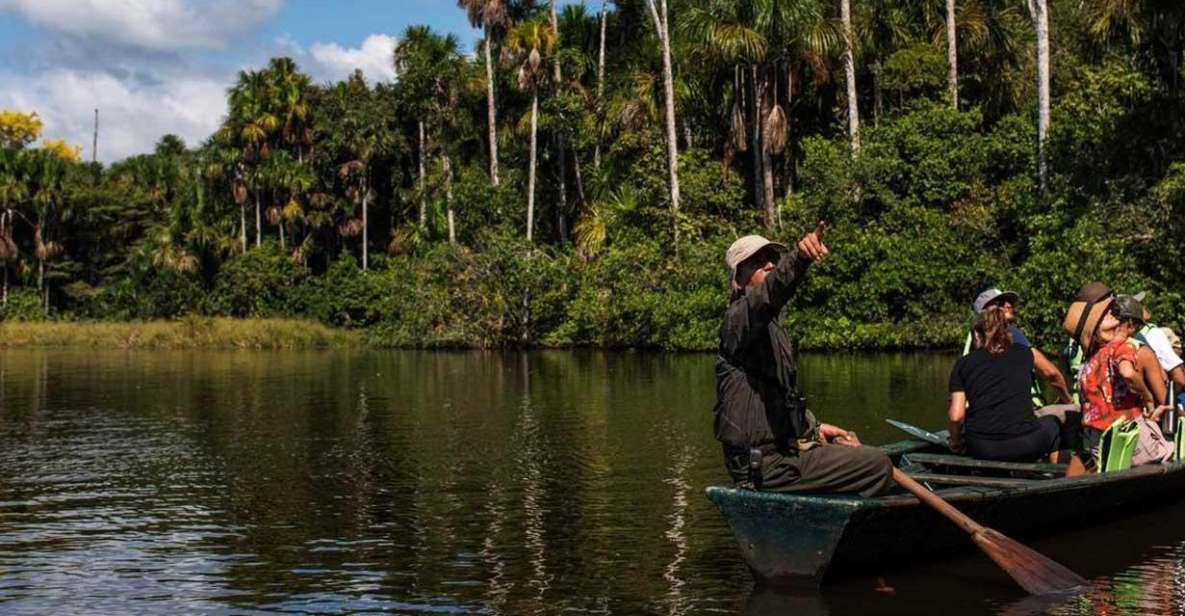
[188,333]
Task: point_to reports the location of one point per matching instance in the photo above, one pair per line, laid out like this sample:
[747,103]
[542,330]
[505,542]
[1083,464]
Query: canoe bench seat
[933,459]
[972,480]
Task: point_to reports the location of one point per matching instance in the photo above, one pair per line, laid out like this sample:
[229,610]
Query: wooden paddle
[1034,572]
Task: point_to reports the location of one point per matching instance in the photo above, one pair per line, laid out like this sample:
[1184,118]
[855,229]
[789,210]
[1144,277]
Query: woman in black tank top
[991,412]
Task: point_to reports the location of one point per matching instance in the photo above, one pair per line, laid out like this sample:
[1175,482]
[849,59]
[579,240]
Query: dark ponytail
[991,330]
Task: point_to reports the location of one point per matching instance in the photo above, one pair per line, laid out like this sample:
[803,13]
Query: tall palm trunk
[423,194]
[492,111]
[1039,9]
[448,199]
[878,93]
[283,247]
[4,220]
[41,283]
[365,221]
[952,55]
[755,146]
[258,221]
[531,172]
[243,225]
[849,69]
[579,176]
[600,83]
[789,158]
[563,157]
[662,25]
[767,163]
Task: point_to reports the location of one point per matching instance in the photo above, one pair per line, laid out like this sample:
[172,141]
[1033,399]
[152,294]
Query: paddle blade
[918,433]
[1033,571]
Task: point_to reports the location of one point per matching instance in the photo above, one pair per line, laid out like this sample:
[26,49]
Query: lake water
[475,483]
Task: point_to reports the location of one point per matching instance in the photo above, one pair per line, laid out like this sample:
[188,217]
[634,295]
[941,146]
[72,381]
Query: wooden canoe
[797,539]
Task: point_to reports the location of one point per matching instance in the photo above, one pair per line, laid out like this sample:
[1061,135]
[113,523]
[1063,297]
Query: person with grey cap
[1129,309]
[770,440]
[1042,366]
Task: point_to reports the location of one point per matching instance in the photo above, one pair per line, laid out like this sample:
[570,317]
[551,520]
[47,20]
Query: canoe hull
[775,549]
[796,540]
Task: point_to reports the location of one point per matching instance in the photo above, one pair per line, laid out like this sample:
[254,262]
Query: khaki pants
[824,469]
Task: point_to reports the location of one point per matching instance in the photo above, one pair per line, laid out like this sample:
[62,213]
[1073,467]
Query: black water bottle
[755,468]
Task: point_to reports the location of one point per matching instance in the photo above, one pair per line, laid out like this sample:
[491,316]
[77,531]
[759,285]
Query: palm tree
[528,43]
[849,68]
[601,78]
[880,29]
[1039,10]
[249,124]
[356,141]
[952,55]
[562,162]
[290,96]
[1153,29]
[12,191]
[658,11]
[491,17]
[990,35]
[47,173]
[765,45]
[290,180]
[430,67]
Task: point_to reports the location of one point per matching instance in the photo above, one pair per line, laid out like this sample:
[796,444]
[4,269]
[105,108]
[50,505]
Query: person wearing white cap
[1047,370]
[1158,340]
[770,440]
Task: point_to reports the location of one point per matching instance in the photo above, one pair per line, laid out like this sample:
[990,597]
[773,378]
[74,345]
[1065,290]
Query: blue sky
[159,66]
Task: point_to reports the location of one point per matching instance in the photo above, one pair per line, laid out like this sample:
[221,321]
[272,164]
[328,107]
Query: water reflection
[445,482]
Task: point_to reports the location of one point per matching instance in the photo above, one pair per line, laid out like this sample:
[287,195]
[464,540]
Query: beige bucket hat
[744,248]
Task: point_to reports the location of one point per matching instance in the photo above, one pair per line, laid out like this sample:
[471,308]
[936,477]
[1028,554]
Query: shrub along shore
[188,333]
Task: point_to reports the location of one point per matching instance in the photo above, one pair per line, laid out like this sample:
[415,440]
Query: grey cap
[991,295]
[744,248]
[1128,307]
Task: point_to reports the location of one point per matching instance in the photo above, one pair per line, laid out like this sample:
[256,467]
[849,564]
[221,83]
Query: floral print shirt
[1106,395]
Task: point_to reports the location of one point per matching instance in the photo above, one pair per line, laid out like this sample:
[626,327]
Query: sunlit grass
[187,333]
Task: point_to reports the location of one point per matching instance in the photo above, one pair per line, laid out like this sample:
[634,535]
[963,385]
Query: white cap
[988,296]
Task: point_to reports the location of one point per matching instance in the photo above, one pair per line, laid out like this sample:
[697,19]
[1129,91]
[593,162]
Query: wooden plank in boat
[961,461]
[970,480]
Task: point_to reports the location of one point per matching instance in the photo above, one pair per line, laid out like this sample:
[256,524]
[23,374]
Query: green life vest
[1073,367]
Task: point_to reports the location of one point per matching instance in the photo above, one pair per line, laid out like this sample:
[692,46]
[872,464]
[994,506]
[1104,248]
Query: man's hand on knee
[837,435]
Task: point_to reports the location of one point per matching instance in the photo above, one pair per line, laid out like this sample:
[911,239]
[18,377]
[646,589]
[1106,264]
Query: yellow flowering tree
[18,129]
[63,150]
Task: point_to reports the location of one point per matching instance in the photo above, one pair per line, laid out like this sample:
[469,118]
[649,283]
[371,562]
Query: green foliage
[258,283]
[22,305]
[917,70]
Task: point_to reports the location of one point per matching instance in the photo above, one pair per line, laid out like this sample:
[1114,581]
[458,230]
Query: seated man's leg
[836,468]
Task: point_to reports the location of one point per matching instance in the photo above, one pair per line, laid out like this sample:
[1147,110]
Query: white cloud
[331,62]
[143,96]
[132,117]
[153,24]
[134,60]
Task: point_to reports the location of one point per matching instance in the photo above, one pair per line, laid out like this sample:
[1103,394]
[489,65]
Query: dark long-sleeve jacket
[757,400]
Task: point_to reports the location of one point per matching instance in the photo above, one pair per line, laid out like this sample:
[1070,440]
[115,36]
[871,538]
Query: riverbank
[187,333]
